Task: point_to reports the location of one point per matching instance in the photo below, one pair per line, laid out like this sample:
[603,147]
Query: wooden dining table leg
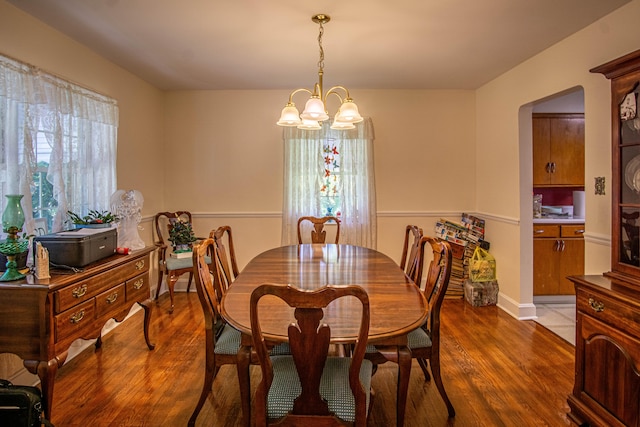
[404,371]
[244,360]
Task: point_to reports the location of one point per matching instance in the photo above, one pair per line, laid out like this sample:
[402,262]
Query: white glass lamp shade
[338,125]
[348,112]
[314,110]
[309,125]
[289,116]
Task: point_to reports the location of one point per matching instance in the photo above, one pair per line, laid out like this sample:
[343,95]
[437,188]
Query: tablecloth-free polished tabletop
[396,304]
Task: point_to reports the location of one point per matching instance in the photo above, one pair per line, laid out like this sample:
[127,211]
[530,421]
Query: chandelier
[315,109]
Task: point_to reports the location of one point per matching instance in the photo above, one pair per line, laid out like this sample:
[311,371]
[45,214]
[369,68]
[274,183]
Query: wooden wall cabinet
[558,252]
[606,390]
[558,150]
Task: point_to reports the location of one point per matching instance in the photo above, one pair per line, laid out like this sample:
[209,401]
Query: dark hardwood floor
[498,371]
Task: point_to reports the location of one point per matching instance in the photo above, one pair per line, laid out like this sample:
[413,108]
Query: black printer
[79,247]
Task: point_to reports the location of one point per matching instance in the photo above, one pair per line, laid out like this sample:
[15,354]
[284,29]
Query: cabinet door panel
[567,151]
[571,263]
[541,151]
[611,375]
[545,267]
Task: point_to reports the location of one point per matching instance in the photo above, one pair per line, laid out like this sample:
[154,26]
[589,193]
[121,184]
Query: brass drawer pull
[138,284]
[76,318]
[140,265]
[79,292]
[112,298]
[597,306]
[581,231]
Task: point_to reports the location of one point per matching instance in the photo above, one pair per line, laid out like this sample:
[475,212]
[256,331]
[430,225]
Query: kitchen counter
[558,220]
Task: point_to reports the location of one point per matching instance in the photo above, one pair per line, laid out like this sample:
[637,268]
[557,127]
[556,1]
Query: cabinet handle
[79,291]
[112,298]
[556,247]
[562,246]
[579,231]
[138,284]
[547,167]
[140,265]
[538,231]
[596,306]
[77,317]
[553,167]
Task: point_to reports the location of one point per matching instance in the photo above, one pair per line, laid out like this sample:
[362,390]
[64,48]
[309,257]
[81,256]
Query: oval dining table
[397,306]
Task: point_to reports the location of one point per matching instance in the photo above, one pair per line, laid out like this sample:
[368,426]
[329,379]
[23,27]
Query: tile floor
[558,318]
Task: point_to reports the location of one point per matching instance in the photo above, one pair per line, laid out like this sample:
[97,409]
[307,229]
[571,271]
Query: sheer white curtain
[303,171]
[75,129]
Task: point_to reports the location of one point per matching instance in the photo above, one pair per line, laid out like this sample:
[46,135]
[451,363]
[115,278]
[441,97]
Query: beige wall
[140,136]
[438,153]
[230,171]
[503,150]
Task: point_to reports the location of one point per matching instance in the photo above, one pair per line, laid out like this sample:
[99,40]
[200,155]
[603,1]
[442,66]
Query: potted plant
[93,219]
[181,235]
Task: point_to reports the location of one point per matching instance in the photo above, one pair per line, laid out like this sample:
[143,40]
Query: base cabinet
[558,252]
[607,372]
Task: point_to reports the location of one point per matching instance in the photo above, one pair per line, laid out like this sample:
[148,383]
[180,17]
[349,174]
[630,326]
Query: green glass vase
[12,222]
[13,215]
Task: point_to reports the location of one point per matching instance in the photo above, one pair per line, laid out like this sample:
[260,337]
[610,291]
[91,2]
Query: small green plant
[93,217]
[181,233]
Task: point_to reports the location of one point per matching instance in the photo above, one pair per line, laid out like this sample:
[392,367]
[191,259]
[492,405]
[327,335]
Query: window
[57,145]
[330,172]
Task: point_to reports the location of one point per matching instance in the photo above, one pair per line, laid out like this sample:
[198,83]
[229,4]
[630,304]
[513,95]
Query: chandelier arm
[296,91]
[333,90]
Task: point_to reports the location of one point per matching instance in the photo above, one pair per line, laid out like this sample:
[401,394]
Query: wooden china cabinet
[606,391]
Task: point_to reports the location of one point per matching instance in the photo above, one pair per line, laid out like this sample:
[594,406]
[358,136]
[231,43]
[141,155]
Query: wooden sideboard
[40,318]
[607,381]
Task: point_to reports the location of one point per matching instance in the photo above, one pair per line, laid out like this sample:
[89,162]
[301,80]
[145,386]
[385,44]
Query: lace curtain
[78,127]
[303,172]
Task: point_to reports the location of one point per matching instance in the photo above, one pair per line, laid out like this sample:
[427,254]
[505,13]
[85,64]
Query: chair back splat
[410,261]
[318,233]
[227,266]
[309,386]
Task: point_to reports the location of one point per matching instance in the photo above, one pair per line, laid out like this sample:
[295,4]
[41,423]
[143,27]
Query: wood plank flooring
[498,371]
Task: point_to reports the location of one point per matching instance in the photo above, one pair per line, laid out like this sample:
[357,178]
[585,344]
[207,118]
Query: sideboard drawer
[608,310]
[137,289]
[112,299]
[72,321]
[89,288]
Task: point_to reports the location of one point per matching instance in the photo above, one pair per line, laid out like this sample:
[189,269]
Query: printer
[79,247]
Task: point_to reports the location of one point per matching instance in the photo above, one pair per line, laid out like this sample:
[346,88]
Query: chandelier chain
[321,60]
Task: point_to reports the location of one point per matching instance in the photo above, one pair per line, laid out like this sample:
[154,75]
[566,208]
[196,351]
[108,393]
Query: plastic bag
[482,267]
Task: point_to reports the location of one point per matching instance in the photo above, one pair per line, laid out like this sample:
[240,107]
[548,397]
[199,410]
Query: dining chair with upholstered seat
[318,233]
[424,342]
[222,342]
[170,265]
[410,260]
[309,387]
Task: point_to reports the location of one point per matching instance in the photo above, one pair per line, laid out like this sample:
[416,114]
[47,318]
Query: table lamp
[12,222]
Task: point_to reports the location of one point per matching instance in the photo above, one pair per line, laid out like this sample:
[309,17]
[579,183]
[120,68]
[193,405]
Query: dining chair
[410,260]
[169,264]
[318,233]
[222,342]
[424,342]
[309,387]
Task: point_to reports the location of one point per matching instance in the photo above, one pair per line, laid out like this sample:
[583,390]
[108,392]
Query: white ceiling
[372,44]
